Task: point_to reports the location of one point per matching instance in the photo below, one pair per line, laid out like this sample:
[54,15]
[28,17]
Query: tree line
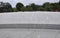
[6,7]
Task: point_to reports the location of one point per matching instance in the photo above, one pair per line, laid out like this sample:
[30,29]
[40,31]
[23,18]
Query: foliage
[15,10]
[19,6]
[6,7]
[26,9]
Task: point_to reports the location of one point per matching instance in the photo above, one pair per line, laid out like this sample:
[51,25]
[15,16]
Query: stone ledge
[31,26]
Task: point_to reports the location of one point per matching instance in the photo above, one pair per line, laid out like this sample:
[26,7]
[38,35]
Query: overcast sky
[26,2]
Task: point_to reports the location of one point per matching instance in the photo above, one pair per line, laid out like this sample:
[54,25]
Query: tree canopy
[6,7]
[19,6]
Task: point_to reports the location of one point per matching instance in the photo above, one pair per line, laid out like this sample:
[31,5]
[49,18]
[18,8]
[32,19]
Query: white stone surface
[29,33]
[30,18]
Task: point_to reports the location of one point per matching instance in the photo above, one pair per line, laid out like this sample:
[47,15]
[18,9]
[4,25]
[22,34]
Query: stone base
[29,33]
[31,26]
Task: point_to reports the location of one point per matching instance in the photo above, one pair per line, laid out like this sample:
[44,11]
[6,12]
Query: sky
[27,2]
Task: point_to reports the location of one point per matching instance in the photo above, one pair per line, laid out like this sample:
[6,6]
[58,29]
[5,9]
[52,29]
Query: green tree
[56,6]
[48,6]
[5,7]
[41,9]
[26,9]
[8,7]
[19,6]
[34,6]
[15,10]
